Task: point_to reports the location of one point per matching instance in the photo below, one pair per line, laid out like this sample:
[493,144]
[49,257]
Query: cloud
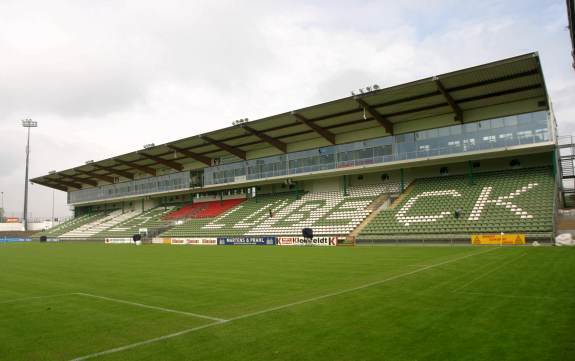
[103,78]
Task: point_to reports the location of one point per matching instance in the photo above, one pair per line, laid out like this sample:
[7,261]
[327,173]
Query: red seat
[204,209]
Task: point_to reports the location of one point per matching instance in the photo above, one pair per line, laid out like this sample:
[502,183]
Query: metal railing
[418,154]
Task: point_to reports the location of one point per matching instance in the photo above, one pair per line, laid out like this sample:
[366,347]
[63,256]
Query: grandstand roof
[452,93]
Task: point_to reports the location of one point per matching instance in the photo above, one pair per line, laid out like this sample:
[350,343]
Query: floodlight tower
[2,207]
[27,123]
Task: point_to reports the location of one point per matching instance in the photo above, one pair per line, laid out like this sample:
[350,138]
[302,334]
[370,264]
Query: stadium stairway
[328,213]
[151,219]
[233,222]
[403,195]
[380,203]
[513,201]
[88,230]
[70,225]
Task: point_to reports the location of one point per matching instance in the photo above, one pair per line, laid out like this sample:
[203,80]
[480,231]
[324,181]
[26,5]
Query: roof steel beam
[142,168]
[383,121]
[190,154]
[55,186]
[452,103]
[266,138]
[66,183]
[81,180]
[112,170]
[326,134]
[168,163]
[228,148]
[102,177]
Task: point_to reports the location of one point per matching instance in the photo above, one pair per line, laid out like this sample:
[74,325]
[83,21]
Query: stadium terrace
[449,158]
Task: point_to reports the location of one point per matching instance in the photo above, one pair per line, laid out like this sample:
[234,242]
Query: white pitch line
[489,272]
[36,297]
[353,289]
[145,342]
[183,332]
[151,307]
[450,281]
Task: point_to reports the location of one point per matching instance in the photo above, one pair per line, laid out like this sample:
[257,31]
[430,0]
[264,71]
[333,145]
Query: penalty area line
[458,289]
[358,288]
[271,309]
[146,342]
[163,309]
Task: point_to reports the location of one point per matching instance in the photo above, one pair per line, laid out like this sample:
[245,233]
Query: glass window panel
[456,129]
[484,124]
[530,127]
[471,127]
[511,121]
[443,132]
[497,123]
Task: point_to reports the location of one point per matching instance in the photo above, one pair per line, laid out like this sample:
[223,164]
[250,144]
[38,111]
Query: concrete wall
[11,227]
[35,226]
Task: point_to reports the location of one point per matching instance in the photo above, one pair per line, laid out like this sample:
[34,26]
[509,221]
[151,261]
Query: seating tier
[513,201]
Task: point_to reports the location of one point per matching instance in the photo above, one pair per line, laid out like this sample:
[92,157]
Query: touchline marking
[489,272]
[151,307]
[450,281]
[348,290]
[36,297]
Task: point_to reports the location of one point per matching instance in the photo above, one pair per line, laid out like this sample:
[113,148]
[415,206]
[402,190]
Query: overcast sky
[105,77]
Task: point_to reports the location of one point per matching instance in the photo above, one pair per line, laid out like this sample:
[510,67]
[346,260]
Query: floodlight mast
[27,123]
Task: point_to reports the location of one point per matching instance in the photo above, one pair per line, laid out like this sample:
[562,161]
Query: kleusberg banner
[201,241]
[237,241]
[498,239]
[300,241]
[118,240]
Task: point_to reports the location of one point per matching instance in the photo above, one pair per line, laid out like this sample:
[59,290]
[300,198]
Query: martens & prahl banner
[257,241]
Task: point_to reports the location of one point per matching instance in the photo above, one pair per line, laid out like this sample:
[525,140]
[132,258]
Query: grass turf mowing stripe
[146,342]
[252,314]
[151,307]
[498,295]
[489,272]
[36,297]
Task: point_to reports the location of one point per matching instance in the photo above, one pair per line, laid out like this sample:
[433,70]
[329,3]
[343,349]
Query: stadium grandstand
[441,159]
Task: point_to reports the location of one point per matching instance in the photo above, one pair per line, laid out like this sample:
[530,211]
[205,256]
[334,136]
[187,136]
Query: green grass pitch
[117,302]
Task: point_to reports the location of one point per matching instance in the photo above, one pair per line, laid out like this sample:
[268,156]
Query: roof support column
[452,103]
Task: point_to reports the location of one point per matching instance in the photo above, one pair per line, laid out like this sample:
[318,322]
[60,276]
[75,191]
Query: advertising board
[118,240]
[14,240]
[498,239]
[300,241]
[195,241]
[252,241]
